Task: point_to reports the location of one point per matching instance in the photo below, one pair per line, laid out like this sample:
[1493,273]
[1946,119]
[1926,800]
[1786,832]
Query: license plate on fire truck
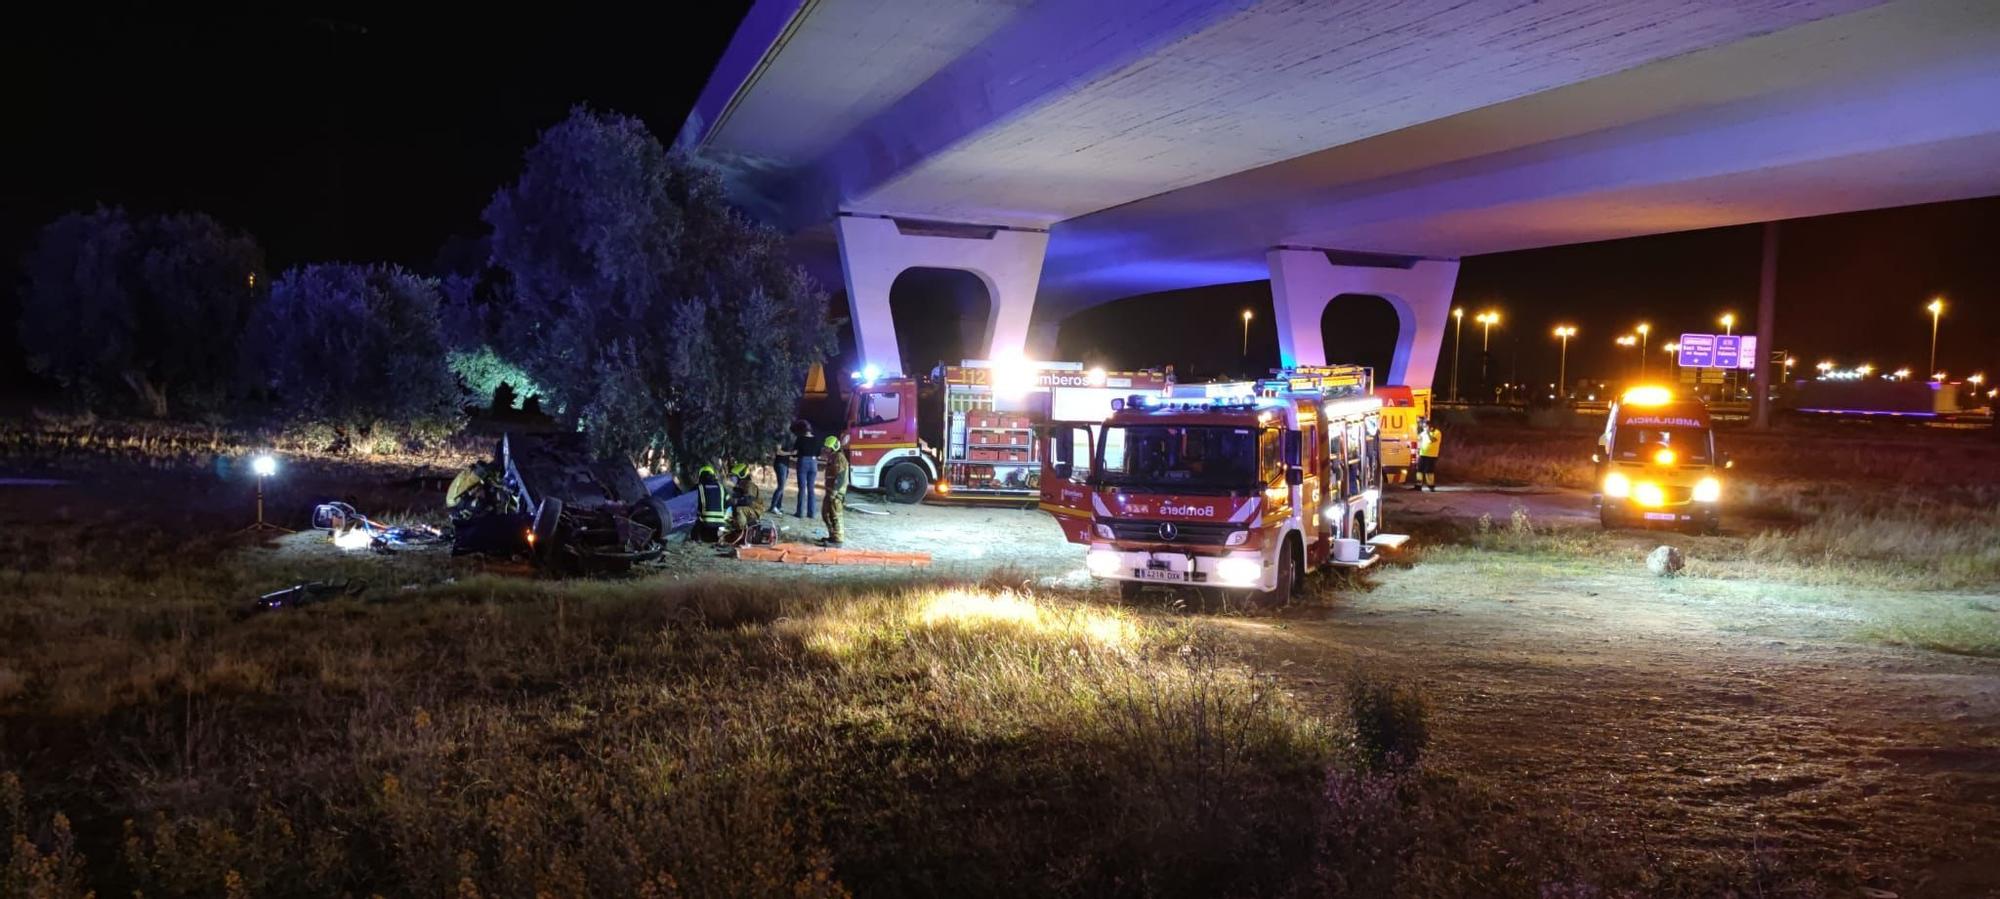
[1157,570]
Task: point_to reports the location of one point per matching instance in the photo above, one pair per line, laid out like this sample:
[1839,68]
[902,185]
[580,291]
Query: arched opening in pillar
[1361,329]
[941,315]
[1199,330]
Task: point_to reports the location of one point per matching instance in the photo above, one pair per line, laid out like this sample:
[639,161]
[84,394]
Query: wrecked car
[568,511]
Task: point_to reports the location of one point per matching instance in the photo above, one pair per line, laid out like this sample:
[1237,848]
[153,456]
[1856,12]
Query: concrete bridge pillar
[875,250]
[1303,281]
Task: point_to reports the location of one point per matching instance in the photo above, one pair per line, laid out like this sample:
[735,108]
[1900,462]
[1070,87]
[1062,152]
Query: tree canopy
[153,306]
[355,347]
[652,314]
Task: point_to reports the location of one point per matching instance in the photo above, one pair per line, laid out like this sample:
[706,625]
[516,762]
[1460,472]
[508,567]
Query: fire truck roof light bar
[1031,364]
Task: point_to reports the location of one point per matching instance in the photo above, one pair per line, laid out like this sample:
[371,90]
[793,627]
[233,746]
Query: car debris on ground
[306,594]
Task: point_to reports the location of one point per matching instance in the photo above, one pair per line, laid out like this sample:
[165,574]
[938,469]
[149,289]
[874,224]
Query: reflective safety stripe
[711,507]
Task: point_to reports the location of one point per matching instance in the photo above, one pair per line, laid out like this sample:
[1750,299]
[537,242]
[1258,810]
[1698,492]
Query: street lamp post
[1644,329]
[1673,351]
[1627,340]
[1487,320]
[1728,321]
[1564,333]
[1246,333]
[1937,309]
[1457,347]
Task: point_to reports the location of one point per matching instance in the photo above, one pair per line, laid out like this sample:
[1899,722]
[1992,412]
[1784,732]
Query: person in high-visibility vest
[743,501]
[834,505]
[1430,439]
[711,505]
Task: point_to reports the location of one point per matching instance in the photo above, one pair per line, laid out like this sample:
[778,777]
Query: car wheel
[1609,519]
[547,529]
[906,482]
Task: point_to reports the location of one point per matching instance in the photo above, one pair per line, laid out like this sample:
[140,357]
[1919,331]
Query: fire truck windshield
[1175,457]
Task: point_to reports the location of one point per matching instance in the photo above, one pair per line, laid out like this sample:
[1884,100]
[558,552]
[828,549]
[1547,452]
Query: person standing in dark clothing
[807,447]
[781,465]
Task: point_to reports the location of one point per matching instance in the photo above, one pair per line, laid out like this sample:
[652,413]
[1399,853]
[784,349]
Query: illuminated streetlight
[1865,369]
[1901,374]
[1457,347]
[1644,330]
[1627,340]
[1488,319]
[1937,376]
[1564,333]
[1728,320]
[1825,365]
[1975,379]
[1937,310]
[1246,333]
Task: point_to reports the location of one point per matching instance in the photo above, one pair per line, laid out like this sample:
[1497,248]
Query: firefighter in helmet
[711,505]
[743,501]
[834,506]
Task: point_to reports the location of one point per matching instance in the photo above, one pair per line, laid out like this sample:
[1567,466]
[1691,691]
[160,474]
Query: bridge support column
[1303,281]
[874,251]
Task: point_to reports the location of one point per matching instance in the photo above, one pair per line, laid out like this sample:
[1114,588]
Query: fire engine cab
[966,432]
[1239,486]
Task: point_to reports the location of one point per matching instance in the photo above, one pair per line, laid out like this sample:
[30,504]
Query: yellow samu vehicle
[1657,464]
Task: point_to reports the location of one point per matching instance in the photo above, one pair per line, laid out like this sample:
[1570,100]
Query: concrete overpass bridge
[1073,152]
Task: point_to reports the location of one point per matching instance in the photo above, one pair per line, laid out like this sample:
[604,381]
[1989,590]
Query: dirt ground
[1692,717]
[1698,718]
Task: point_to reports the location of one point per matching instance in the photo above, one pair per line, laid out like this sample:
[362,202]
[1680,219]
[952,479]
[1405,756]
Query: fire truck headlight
[1239,572]
[1103,562]
[1237,538]
[1649,494]
[1708,490]
[1104,532]
[1617,485]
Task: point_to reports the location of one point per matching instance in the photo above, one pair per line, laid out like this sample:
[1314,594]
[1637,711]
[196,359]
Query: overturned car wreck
[548,499]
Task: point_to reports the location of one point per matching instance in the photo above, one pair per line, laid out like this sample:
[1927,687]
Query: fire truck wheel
[905,482]
[1289,576]
[1609,519]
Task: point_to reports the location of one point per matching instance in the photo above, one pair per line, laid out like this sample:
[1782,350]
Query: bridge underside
[1147,164]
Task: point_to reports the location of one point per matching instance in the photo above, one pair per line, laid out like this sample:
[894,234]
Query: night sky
[378,136]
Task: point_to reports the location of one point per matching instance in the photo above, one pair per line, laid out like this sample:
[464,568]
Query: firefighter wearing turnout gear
[711,505]
[743,502]
[834,506]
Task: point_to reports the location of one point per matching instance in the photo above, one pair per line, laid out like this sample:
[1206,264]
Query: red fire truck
[966,433]
[1241,486]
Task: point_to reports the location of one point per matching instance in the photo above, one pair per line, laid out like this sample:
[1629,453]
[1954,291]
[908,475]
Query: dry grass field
[461,729]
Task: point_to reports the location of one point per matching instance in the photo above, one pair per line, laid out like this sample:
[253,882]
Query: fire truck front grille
[1190,533]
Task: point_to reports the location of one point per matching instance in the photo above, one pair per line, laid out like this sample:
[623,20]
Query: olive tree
[652,314]
[151,306]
